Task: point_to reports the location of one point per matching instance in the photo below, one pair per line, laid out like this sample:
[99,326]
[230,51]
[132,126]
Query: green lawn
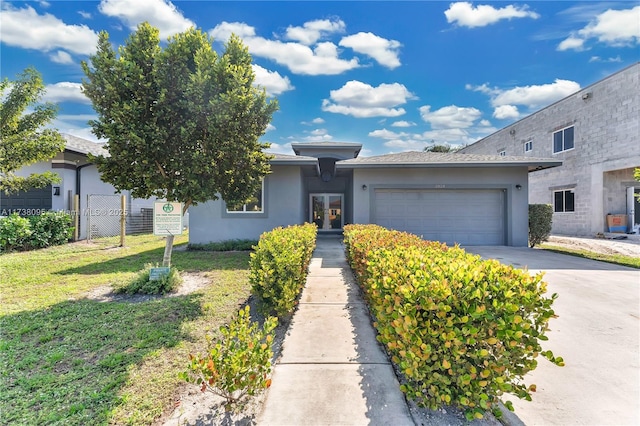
[66,359]
[617,259]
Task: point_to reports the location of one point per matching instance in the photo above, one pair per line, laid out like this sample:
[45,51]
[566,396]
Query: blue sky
[394,76]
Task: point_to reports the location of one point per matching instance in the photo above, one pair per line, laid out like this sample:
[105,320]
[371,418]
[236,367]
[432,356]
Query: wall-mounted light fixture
[518,187]
[364,187]
[586,96]
[56,190]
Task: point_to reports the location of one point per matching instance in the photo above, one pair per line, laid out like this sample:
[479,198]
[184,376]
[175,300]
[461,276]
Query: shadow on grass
[68,363]
[201,261]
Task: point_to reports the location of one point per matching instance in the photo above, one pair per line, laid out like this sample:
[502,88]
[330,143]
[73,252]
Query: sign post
[167,220]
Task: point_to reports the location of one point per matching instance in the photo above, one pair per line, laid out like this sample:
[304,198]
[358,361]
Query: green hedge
[32,232]
[540,219]
[462,331]
[278,266]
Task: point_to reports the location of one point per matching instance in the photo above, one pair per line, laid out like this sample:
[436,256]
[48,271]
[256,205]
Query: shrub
[278,266]
[462,331]
[540,218]
[25,233]
[141,284]
[238,364]
[15,232]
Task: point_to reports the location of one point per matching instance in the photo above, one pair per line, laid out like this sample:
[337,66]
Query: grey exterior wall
[506,178]
[283,205]
[599,168]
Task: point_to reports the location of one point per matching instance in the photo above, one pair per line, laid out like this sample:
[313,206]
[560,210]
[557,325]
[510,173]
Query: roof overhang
[531,166]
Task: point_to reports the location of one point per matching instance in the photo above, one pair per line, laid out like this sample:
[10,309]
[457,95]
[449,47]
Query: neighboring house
[454,198]
[595,132]
[79,176]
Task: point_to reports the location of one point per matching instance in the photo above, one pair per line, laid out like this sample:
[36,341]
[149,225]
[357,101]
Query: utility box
[617,223]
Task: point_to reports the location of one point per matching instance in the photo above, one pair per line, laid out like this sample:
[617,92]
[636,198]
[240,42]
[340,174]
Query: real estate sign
[167,218]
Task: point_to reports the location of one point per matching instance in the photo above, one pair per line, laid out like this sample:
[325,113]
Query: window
[563,140]
[528,146]
[253,204]
[563,201]
[502,153]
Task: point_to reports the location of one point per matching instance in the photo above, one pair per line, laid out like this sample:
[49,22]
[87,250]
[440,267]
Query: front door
[326,211]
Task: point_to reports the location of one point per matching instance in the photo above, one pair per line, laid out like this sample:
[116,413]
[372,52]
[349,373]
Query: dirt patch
[627,245]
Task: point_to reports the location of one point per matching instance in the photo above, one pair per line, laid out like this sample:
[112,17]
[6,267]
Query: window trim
[502,153]
[528,143]
[249,214]
[564,200]
[553,140]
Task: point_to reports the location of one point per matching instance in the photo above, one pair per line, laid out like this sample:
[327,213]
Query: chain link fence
[104,215]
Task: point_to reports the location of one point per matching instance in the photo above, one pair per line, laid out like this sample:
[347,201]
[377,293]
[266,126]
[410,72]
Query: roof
[333,149]
[83,146]
[439,159]
[293,160]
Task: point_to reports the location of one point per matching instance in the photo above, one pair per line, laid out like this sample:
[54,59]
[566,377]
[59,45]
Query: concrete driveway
[597,333]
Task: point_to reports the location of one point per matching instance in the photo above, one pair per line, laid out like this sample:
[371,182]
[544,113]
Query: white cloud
[223,31]
[270,127]
[300,59]
[611,59]
[465,14]
[277,148]
[61,57]
[85,15]
[312,31]
[384,51]
[615,28]
[272,81]
[403,123]
[536,95]
[572,43]
[317,120]
[506,111]
[450,117]
[362,100]
[27,29]
[65,92]
[160,13]
[387,134]
[318,135]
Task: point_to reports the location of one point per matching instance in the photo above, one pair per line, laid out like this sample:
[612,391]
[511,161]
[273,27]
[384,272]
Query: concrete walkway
[332,370]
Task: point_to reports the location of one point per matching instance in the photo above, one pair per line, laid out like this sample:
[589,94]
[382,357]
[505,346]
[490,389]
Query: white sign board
[167,218]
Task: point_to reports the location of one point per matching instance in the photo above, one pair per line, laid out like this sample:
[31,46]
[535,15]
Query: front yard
[69,357]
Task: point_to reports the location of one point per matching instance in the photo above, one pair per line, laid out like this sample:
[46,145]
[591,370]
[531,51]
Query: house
[454,198]
[595,132]
[79,177]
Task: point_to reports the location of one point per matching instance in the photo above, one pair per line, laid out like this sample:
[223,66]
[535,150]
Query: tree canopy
[182,121]
[23,141]
[440,148]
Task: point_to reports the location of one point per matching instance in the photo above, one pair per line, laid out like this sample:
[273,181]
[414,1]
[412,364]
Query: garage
[463,216]
[25,203]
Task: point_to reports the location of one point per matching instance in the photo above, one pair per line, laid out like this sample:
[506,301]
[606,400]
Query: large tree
[182,121]
[23,139]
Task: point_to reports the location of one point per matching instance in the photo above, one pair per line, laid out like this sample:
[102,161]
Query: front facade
[595,132]
[464,199]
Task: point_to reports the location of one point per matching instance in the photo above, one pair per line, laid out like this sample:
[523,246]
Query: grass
[618,259]
[67,359]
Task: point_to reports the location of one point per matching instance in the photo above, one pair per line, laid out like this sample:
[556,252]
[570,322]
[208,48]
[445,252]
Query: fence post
[76,209]
[123,219]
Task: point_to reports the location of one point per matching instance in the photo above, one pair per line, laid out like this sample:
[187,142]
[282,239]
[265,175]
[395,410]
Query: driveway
[597,332]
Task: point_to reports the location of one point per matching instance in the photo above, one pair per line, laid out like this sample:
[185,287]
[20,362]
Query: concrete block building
[595,132]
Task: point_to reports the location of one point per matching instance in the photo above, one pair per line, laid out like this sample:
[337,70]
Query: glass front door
[326,211]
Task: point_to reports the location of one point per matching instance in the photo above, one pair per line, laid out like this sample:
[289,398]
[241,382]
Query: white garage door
[466,217]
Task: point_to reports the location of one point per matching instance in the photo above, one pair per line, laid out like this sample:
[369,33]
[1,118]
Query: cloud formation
[159,13]
[384,51]
[360,100]
[27,29]
[310,32]
[65,92]
[464,14]
[616,28]
[272,81]
[450,117]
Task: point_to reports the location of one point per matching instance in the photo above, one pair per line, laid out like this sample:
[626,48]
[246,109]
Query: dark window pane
[557,142]
[558,202]
[568,138]
[569,198]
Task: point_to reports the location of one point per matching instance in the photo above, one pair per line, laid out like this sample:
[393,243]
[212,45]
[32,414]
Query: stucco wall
[607,138]
[283,206]
[449,178]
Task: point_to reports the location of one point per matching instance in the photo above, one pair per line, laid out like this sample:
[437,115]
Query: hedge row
[278,266]
[462,331]
[33,232]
